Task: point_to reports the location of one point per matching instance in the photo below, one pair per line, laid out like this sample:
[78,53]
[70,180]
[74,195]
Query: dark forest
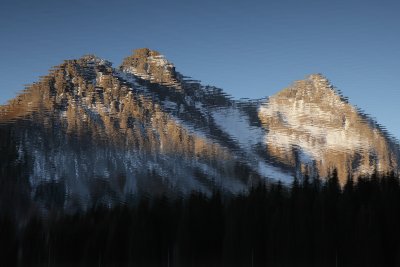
[309,223]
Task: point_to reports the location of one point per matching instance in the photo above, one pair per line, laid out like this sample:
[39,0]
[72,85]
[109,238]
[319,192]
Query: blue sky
[249,48]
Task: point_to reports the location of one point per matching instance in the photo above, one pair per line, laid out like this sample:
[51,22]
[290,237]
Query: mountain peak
[152,66]
[314,88]
[313,121]
[93,59]
[319,81]
[316,76]
[145,52]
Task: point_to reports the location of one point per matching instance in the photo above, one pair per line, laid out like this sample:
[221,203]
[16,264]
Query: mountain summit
[150,65]
[103,134]
[312,121]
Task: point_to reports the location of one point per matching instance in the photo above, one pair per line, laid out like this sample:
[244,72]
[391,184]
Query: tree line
[309,223]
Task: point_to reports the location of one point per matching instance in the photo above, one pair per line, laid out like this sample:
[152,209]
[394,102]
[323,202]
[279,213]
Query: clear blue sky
[249,48]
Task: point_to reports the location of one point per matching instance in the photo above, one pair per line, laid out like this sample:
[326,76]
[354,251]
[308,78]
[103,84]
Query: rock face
[101,134]
[152,66]
[311,125]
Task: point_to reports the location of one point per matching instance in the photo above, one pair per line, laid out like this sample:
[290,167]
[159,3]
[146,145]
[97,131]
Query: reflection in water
[90,134]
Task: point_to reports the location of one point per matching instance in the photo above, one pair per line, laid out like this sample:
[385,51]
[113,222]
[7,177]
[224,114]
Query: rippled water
[91,134]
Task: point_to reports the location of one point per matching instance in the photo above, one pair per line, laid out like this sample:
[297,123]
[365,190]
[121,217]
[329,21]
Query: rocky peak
[95,60]
[152,66]
[313,89]
[311,122]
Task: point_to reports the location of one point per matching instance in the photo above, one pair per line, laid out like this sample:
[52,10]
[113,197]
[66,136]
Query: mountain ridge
[143,127]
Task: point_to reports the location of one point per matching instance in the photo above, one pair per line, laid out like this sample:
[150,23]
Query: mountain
[311,123]
[100,134]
